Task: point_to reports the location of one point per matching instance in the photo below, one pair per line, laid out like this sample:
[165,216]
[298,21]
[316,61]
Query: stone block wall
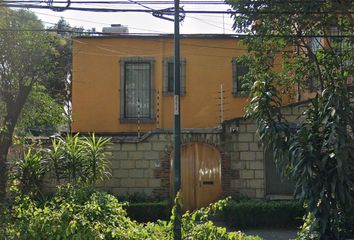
[241,142]
[142,165]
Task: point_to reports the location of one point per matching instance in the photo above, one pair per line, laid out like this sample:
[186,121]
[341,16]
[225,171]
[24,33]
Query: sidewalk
[272,234]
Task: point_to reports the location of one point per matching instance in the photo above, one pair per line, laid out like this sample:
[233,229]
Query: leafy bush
[75,213]
[95,158]
[28,172]
[198,226]
[79,160]
[257,213]
[73,159]
[149,211]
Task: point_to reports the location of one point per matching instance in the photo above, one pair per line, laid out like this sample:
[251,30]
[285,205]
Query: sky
[143,22]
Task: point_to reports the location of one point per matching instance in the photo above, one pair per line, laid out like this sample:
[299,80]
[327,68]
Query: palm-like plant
[55,155]
[74,158]
[96,163]
[30,171]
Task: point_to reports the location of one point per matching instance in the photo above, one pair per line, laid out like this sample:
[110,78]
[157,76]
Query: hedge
[149,211]
[263,214]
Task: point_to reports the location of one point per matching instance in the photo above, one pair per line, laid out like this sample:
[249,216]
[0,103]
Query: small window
[168,88]
[137,77]
[315,44]
[238,71]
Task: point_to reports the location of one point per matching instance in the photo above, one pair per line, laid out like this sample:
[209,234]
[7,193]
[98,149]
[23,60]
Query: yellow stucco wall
[96,81]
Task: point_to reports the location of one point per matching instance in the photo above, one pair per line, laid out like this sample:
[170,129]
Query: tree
[60,85]
[25,60]
[296,47]
[41,114]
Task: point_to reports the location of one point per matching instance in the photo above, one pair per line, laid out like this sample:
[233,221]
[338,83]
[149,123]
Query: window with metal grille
[238,71]
[137,89]
[168,65]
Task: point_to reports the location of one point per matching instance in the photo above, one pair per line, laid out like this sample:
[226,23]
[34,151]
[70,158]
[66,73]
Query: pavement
[272,234]
[265,234]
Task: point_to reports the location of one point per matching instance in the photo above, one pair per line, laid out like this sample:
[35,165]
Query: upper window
[238,71]
[315,44]
[137,75]
[169,66]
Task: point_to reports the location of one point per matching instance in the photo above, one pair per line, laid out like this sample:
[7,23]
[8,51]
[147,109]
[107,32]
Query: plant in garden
[296,46]
[79,160]
[28,59]
[83,213]
[95,158]
[29,172]
[74,157]
[55,156]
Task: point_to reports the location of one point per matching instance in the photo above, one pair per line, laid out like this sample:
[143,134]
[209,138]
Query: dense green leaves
[27,61]
[79,160]
[298,49]
[29,171]
[83,213]
[72,160]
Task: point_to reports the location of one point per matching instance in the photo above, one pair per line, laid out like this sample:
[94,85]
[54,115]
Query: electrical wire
[100,23]
[235,35]
[169,12]
[160,2]
[128,2]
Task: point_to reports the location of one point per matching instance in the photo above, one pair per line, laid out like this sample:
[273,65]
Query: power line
[169,11]
[159,35]
[156,2]
[101,23]
[126,2]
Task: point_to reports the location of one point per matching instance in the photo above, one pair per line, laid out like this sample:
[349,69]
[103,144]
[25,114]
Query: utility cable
[170,11]
[159,35]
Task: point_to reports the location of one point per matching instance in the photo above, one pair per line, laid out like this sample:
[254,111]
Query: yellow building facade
[123,86]
[124,82]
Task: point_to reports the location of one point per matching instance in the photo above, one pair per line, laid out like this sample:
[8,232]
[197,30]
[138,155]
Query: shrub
[257,213]
[83,213]
[28,172]
[149,211]
[95,158]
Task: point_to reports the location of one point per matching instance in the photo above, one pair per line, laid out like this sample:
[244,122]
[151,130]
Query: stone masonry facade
[142,164]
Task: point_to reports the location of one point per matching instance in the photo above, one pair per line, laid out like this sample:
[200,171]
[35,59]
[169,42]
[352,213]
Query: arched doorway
[200,175]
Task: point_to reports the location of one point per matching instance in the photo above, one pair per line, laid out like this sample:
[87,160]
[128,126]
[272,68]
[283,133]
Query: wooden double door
[200,175]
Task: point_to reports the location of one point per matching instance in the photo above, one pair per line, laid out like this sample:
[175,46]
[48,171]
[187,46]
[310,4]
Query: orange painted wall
[96,81]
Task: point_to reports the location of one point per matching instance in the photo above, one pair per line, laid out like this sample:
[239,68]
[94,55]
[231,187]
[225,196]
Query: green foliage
[29,172]
[41,114]
[26,60]
[56,158]
[197,225]
[74,157]
[284,57]
[83,213]
[95,158]
[149,211]
[260,214]
[79,160]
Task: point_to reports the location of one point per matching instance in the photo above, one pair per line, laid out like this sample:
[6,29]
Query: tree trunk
[5,144]
[14,109]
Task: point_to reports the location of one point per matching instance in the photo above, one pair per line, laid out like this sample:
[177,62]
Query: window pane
[137,90]
[170,77]
[241,70]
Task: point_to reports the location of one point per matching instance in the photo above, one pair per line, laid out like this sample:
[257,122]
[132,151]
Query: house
[123,88]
